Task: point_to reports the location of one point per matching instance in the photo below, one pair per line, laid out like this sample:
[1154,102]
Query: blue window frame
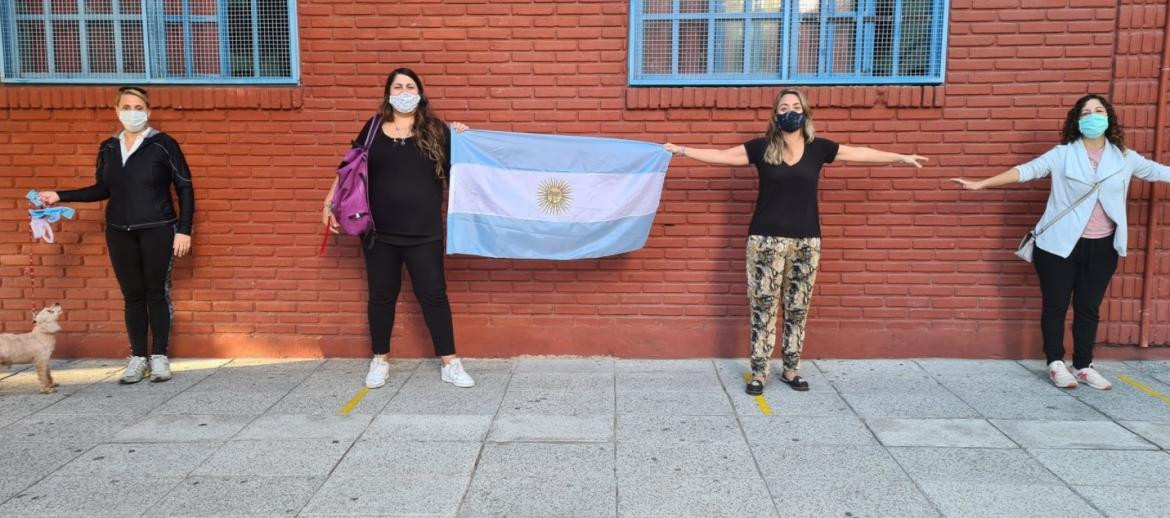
[746,42]
[149,41]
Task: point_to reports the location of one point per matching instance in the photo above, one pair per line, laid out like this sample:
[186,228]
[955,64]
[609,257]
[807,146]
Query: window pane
[30,7]
[729,46]
[202,7]
[692,47]
[915,45]
[844,46]
[694,6]
[808,46]
[99,7]
[175,45]
[766,47]
[205,48]
[656,47]
[274,39]
[66,47]
[729,6]
[133,55]
[63,6]
[659,6]
[34,54]
[766,6]
[845,6]
[103,54]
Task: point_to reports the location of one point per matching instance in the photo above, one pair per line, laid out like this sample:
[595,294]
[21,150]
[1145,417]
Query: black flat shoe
[754,387]
[797,383]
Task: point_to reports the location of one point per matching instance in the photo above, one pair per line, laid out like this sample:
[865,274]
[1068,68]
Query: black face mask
[789,122]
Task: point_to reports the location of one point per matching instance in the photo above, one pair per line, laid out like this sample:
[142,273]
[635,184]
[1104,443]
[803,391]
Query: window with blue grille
[149,41]
[744,42]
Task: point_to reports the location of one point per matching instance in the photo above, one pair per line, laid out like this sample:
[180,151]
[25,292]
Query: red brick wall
[911,266]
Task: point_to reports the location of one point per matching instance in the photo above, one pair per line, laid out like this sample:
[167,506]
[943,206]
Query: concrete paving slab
[237,496]
[545,460]
[345,428]
[557,403]
[563,364]
[83,403]
[401,495]
[682,496]
[403,427]
[805,498]
[1092,435]
[783,401]
[827,463]
[36,460]
[731,374]
[446,400]
[674,403]
[219,402]
[321,394]
[712,459]
[275,458]
[1157,433]
[654,366]
[1043,408]
[669,430]
[932,403]
[149,460]
[786,431]
[395,458]
[521,427]
[183,428]
[1108,468]
[65,428]
[62,496]
[943,433]
[670,381]
[536,381]
[11,486]
[1127,502]
[963,499]
[974,465]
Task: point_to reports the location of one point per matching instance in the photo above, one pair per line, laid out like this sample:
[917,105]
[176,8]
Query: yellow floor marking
[763,404]
[345,410]
[1143,388]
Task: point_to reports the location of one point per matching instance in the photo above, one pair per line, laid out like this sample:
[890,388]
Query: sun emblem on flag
[554,196]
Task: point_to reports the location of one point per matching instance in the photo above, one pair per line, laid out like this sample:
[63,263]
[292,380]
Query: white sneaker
[1092,378]
[160,368]
[135,370]
[379,372]
[454,374]
[1060,376]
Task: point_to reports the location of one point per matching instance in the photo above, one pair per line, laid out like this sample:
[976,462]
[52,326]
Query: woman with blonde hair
[784,238]
[136,169]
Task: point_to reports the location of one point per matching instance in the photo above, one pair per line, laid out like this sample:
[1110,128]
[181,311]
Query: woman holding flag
[784,238]
[408,163]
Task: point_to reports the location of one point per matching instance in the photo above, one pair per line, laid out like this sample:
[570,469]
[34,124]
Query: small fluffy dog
[34,347]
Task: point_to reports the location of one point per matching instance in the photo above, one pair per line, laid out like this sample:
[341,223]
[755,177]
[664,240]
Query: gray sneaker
[135,370]
[160,368]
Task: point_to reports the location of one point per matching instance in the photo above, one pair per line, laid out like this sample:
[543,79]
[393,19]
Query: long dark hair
[1115,134]
[427,127]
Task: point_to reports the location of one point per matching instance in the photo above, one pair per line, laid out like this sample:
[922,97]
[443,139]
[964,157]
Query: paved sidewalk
[585,437]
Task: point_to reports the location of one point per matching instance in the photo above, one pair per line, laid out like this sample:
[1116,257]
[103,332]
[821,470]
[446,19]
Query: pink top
[1099,223]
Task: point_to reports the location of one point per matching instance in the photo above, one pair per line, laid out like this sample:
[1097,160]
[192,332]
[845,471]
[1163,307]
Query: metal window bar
[856,41]
[46,41]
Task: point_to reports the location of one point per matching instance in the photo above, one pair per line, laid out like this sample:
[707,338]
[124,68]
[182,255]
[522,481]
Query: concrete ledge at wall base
[195,97]
[636,338]
[658,97]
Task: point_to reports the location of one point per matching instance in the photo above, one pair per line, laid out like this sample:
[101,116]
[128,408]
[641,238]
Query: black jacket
[140,191]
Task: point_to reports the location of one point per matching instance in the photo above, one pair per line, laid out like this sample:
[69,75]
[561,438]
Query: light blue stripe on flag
[494,236]
[519,195]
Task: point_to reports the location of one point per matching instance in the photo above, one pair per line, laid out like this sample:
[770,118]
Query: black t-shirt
[406,197]
[787,202]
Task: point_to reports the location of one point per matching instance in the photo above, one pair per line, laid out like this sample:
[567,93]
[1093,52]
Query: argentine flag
[530,196]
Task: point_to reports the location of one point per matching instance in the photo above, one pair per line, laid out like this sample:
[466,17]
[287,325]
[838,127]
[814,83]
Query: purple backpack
[351,200]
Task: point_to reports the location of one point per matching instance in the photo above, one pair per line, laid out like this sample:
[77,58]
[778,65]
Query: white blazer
[1073,176]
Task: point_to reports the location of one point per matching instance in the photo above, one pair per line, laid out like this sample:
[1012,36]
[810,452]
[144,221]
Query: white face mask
[405,102]
[134,121]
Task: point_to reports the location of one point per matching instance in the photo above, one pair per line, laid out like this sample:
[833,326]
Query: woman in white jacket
[1076,257]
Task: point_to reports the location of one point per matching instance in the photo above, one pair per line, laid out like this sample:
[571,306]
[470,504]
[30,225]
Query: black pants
[384,274]
[142,262]
[1083,277]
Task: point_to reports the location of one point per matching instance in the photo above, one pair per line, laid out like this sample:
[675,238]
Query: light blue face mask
[1093,125]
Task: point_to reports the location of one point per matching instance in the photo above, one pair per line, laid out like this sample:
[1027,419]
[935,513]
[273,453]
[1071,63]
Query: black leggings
[1083,277]
[142,262]
[384,273]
